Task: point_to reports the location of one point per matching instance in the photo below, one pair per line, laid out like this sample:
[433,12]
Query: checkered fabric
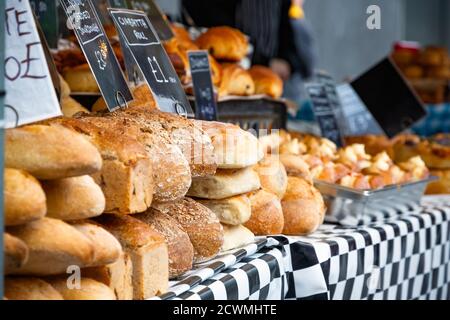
[437,120]
[405,258]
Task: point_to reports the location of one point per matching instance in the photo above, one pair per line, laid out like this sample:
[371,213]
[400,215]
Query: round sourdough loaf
[267,215]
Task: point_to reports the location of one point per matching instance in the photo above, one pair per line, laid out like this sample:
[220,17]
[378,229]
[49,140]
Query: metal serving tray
[360,207]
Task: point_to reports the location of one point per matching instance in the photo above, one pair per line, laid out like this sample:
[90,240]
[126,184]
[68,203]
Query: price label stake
[205,102]
[98,52]
[140,39]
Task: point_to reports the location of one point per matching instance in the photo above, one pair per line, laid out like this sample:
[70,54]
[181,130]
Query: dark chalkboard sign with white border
[139,37]
[205,102]
[98,52]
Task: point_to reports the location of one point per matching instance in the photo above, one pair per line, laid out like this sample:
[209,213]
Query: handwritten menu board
[140,39]
[205,102]
[30,93]
[324,112]
[156,16]
[98,52]
[47,13]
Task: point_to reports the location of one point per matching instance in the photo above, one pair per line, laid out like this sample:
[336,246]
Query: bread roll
[74,198]
[233,211]
[236,237]
[53,246]
[89,289]
[267,215]
[266,81]
[236,81]
[81,79]
[24,198]
[30,289]
[295,166]
[272,175]
[70,107]
[50,152]
[303,208]
[441,186]
[15,252]
[181,251]
[225,184]
[200,223]
[147,250]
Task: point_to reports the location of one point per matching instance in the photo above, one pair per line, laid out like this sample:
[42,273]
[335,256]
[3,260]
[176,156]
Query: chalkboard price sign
[98,52]
[140,39]
[205,102]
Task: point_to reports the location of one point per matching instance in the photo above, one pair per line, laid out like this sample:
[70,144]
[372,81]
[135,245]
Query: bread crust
[267,214]
[232,211]
[16,253]
[30,289]
[266,81]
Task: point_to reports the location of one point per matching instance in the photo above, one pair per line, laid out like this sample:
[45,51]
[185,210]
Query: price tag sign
[30,95]
[98,52]
[324,112]
[140,39]
[47,13]
[205,102]
[156,16]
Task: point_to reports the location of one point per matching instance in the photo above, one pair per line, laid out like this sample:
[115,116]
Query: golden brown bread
[73,198]
[30,289]
[266,81]
[295,166]
[441,186]
[89,289]
[235,81]
[81,79]
[70,107]
[65,89]
[181,251]
[200,223]
[233,211]
[236,237]
[50,152]
[23,196]
[53,247]
[272,175]
[142,96]
[224,43]
[303,208]
[15,253]
[267,215]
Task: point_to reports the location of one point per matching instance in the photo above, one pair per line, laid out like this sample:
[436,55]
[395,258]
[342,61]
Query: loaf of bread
[181,251]
[81,79]
[224,43]
[441,186]
[303,207]
[23,196]
[236,81]
[233,211]
[234,148]
[200,223]
[70,107]
[88,289]
[126,177]
[50,152]
[30,289]
[53,247]
[266,81]
[267,215]
[15,253]
[236,237]
[272,175]
[65,89]
[74,198]
[147,250]
[225,184]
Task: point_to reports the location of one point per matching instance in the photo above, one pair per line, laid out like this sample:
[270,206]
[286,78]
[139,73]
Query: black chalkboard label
[324,112]
[47,13]
[98,52]
[156,16]
[139,37]
[205,102]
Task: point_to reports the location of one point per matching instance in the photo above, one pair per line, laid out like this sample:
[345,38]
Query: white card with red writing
[30,95]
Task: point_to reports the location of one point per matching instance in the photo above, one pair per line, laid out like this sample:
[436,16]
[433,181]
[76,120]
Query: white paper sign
[30,95]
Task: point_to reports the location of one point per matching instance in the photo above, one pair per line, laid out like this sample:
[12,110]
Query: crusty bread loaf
[89,289]
[266,81]
[267,215]
[70,107]
[65,89]
[147,250]
[303,207]
[81,79]
[233,211]
[50,152]
[200,223]
[15,252]
[272,175]
[236,81]
[126,177]
[225,184]
[23,196]
[142,94]
[73,198]
[181,251]
[234,148]
[236,237]
[53,246]
[30,289]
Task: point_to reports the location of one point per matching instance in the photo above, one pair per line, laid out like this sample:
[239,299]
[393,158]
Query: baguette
[24,198]
[15,252]
[50,152]
[233,211]
[30,289]
[267,214]
[89,289]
